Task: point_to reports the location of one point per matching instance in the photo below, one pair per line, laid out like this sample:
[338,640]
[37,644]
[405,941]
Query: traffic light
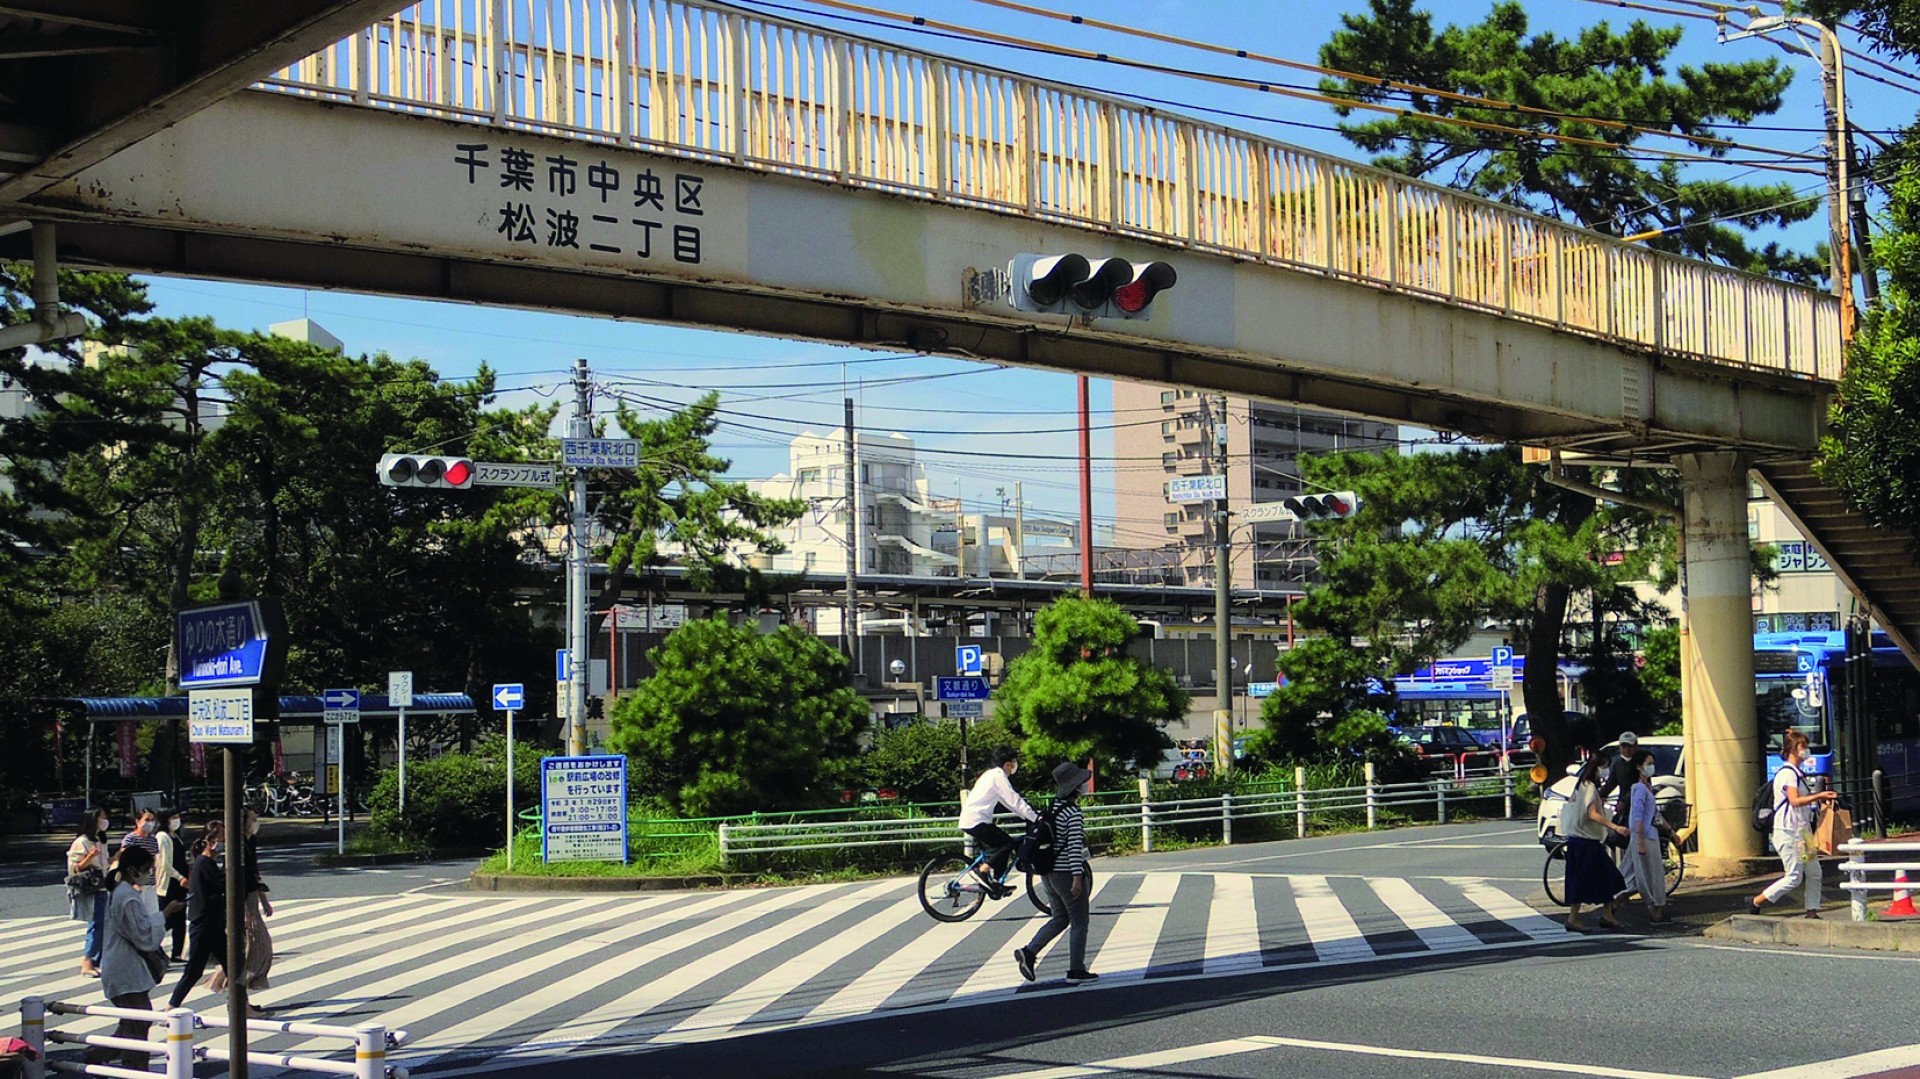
[420,470]
[1073,284]
[1334,504]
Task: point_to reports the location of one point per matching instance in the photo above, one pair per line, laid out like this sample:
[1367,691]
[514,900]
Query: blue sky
[953,404]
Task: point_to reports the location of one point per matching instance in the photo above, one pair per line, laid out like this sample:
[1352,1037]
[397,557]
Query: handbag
[156,961]
[89,881]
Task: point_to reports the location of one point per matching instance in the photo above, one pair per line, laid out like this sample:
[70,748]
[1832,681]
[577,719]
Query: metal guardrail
[1858,870]
[747,840]
[370,1043]
[719,84]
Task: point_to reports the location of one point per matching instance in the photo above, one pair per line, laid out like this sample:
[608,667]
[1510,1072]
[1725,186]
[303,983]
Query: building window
[1166,429]
[812,556]
[1166,397]
[1169,458]
[809,475]
[1172,520]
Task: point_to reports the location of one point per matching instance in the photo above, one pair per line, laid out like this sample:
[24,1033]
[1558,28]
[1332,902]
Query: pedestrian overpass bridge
[693,163]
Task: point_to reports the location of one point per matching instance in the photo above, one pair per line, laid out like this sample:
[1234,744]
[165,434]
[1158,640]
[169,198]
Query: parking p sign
[969,659]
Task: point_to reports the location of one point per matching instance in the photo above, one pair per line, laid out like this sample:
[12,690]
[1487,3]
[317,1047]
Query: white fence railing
[1859,870]
[370,1042]
[743,841]
[721,84]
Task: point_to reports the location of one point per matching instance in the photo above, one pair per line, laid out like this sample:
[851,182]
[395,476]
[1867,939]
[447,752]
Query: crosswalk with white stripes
[481,982]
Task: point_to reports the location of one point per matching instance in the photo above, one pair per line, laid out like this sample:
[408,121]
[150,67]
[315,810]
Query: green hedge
[457,800]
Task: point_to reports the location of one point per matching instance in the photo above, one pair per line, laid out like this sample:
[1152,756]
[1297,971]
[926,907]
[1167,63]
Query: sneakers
[1081,977]
[999,891]
[1024,960]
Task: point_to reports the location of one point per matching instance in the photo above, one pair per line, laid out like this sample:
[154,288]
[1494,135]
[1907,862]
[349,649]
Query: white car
[1669,785]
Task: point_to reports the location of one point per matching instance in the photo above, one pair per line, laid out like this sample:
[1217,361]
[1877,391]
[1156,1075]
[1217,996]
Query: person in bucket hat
[1069,884]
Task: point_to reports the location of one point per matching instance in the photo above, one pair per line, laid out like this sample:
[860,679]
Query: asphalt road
[1623,1005]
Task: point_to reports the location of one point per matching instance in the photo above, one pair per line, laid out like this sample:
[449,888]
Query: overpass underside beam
[430,208]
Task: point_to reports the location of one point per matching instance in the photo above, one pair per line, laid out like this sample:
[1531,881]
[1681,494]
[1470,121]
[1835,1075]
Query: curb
[501,882]
[1818,933]
[399,857]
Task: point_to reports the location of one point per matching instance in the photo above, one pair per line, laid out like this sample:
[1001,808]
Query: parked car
[1442,749]
[1669,785]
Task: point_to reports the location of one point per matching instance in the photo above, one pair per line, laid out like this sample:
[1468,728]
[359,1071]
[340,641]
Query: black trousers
[177,921]
[991,837]
[207,943]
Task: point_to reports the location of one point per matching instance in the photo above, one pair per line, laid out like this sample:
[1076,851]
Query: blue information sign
[509,696]
[969,659]
[229,644]
[961,689]
[584,809]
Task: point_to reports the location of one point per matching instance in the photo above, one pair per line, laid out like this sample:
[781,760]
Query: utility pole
[852,617]
[1019,532]
[578,606]
[1222,598]
[1086,495]
[1839,181]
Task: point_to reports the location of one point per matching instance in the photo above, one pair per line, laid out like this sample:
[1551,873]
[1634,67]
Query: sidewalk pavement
[1720,909]
[50,848]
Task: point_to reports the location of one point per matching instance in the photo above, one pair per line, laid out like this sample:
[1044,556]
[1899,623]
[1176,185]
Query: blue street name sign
[1262,689]
[509,696]
[961,689]
[230,644]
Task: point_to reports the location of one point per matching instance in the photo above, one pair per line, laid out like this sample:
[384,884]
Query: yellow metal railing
[719,84]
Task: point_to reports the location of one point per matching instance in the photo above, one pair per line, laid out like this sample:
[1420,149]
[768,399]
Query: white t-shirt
[1790,819]
[989,793]
[1576,817]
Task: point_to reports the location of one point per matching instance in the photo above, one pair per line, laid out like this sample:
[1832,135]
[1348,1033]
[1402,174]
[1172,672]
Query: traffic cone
[1902,905]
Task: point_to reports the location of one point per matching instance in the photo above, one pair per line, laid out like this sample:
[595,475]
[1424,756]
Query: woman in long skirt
[1592,878]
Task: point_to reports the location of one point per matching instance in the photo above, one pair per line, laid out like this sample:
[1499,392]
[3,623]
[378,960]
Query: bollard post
[1146,815]
[1226,820]
[33,1031]
[1440,798]
[723,843]
[180,1043]
[1300,800]
[370,1051]
[1879,803]
[1373,799]
[1506,785]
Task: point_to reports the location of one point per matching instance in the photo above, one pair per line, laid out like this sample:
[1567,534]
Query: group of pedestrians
[1638,831]
[135,897]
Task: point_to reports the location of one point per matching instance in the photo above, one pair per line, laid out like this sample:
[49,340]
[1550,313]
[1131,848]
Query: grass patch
[381,843]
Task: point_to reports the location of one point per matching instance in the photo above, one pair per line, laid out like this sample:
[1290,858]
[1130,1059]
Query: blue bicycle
[953,888]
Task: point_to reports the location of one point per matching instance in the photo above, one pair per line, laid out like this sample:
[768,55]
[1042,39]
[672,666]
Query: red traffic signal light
[421,470]
[1073,284]
[1335,504]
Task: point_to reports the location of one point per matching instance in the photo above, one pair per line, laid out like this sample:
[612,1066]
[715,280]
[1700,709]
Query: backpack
[1036,851]
[1764,807]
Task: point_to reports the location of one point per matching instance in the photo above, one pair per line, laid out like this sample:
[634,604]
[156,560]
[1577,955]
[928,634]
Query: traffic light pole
[578,647]
[1222,600]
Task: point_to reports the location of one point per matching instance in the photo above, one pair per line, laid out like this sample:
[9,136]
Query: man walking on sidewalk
[1069,884]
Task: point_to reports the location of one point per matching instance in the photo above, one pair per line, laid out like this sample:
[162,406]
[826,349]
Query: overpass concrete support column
[1717,702]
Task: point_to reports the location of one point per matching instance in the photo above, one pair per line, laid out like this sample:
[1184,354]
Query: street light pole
[1222,599]
[579,646]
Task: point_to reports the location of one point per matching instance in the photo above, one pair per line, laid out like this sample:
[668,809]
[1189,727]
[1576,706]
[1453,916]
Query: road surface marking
[1233,927]
[1899,1057]
[1128,949]
[1259,1042]
[1513,912]
[1436,930]
[1332,930]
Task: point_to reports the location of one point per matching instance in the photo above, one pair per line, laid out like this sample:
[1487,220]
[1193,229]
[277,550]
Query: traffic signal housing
[1331,505]
[425,470]
[1073,284]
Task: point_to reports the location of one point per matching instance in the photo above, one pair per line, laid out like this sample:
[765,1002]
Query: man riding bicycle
[991,792]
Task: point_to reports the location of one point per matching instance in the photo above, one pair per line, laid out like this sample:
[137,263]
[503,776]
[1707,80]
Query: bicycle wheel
[1675,861]
[1553,876]
[1037,896]
[948,889]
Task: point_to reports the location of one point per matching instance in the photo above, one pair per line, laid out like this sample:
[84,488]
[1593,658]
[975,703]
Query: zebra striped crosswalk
[481,982]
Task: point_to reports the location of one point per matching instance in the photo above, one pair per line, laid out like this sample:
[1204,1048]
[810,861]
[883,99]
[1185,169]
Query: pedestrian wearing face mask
[1649,876]
[170,877]
[86,888]
[136,926]
[146,827]
[206,913]
[258,910]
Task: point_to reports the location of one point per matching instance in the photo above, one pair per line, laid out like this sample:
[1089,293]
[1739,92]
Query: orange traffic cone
[1902,905]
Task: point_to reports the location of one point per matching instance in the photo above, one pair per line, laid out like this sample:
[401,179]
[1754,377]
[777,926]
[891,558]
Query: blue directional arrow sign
[341,698]
[509,696]
[961,689]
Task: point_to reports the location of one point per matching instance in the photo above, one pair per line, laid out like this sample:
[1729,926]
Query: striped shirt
[144,842]
[1070,839]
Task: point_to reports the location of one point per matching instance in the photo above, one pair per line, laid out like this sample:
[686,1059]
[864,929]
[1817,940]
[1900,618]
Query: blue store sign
[231,644]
